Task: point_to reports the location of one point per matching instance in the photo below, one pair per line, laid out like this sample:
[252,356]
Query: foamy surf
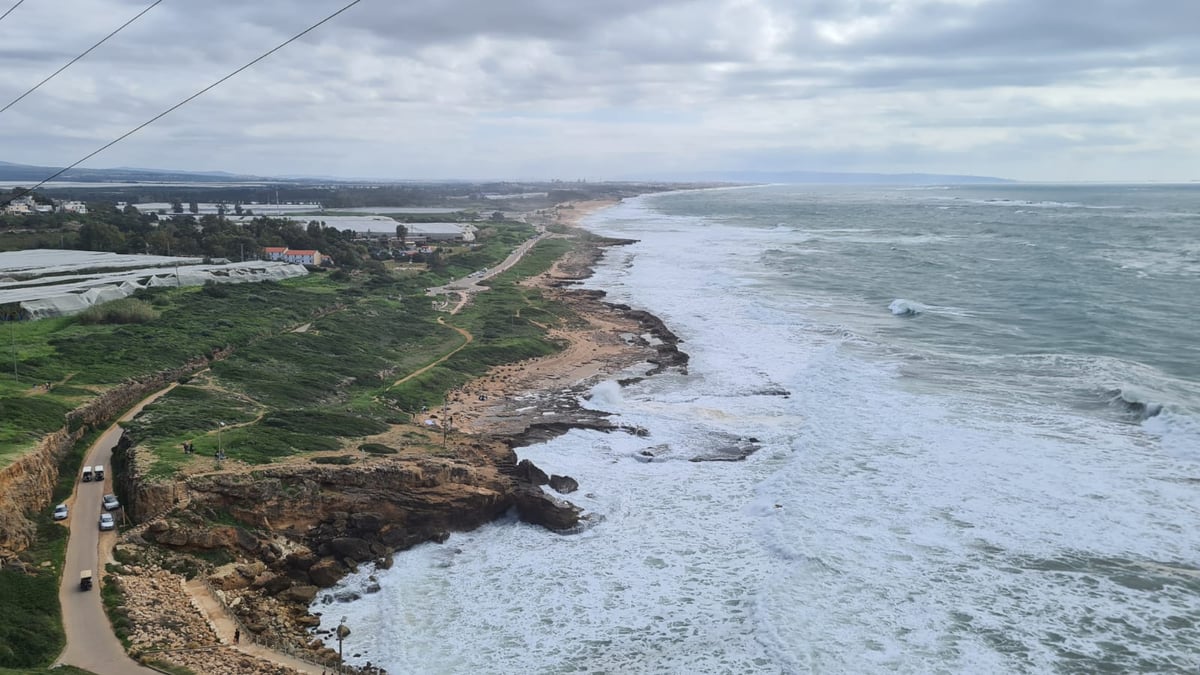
[939,496]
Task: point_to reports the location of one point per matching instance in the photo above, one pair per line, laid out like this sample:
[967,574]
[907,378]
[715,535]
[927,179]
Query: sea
[978,412]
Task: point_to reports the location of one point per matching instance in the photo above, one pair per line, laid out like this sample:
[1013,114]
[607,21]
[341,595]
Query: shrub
[125,310]
[336,459]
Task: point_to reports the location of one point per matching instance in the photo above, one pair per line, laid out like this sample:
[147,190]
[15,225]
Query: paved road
[91,644]
[471,284]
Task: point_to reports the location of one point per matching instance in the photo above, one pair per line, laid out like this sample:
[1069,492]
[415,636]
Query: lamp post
[343,632]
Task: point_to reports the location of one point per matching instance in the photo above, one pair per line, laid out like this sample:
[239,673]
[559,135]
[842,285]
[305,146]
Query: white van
[87,474]
[98,472]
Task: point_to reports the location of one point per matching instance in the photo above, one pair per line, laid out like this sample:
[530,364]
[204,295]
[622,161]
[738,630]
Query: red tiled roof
[275,249]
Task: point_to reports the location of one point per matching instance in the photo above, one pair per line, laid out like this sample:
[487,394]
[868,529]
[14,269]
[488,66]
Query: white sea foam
[902,307]
[883,526]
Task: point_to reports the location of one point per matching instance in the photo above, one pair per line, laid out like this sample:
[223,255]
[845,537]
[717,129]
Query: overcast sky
[610,89]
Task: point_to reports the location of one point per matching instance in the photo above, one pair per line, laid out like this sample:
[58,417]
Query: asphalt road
[91,644]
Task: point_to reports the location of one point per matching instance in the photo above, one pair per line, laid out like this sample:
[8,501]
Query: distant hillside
[33,174]
[835,178]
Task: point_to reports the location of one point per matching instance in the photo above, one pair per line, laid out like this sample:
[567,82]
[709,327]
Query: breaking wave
[902,307]
[1134,402]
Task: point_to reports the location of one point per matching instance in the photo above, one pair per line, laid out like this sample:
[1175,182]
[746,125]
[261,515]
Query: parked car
[98,472]
[107,522]
[87,474]
[60,512]
[85,580]
[110,502]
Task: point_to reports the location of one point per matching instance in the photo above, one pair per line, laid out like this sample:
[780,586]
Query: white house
[304,257]
[300,256]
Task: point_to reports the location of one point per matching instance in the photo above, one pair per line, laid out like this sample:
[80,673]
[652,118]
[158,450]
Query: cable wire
[10,9]
[196,95]
[72,61]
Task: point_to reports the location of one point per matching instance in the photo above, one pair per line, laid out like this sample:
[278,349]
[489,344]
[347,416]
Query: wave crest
[1134,402]
[902,307]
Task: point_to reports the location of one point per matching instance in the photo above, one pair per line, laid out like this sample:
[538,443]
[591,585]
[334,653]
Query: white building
[420,233]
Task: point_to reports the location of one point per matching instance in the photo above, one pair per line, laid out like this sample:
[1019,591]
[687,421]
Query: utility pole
[13,329]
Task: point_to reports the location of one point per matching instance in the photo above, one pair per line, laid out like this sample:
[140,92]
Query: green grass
[24,420]
[187,413]
[31,633]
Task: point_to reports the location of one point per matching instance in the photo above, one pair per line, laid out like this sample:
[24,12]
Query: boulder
[529,472]
[301,594]
[352,547]
[538,508]
[563,484]
[728,453]
[326,573]
[367,521]
[301,559]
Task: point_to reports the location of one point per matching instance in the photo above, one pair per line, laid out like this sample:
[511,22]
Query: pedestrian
[237,636]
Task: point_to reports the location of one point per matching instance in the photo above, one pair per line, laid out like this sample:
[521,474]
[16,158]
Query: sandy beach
[605,342]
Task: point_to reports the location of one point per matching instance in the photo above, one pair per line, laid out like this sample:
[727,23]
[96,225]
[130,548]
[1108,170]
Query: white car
[60,512]
[110,502]
[107,522]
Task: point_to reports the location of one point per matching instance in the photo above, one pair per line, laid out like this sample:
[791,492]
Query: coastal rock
[353,548]
[530,473]
[326,573]
[538,508]
[563,484]
[301,560]
[300,594]
[728,453]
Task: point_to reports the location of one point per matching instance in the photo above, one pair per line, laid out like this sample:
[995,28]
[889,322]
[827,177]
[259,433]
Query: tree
[237,208]
[193,207]
[401,233]
[497,216]
[176,206]
[101,237]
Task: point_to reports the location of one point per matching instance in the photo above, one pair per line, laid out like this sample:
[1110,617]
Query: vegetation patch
[342,460]
[31,633]
[125,310]
[24,420]
[377,449]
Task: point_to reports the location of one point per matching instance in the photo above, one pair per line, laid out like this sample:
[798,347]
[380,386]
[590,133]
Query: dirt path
[91,644]
[224,626]
[461,331]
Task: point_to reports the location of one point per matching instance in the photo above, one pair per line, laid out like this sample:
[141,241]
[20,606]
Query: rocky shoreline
[274,537]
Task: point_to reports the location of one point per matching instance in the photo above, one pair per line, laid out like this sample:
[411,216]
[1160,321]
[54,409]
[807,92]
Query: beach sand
[603,343]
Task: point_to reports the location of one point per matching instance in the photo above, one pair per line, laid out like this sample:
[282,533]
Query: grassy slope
[280,393]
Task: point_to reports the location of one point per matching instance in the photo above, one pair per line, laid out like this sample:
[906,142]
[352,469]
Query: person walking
[237,636]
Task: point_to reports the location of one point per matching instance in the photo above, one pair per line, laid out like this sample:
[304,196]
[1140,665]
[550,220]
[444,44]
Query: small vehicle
[85,580]
[110,502]
[87,474]
[107,522]
[98,472]
[60,512]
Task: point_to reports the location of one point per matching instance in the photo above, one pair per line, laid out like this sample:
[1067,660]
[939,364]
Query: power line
[10,9]
[72,61]
[196,95]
